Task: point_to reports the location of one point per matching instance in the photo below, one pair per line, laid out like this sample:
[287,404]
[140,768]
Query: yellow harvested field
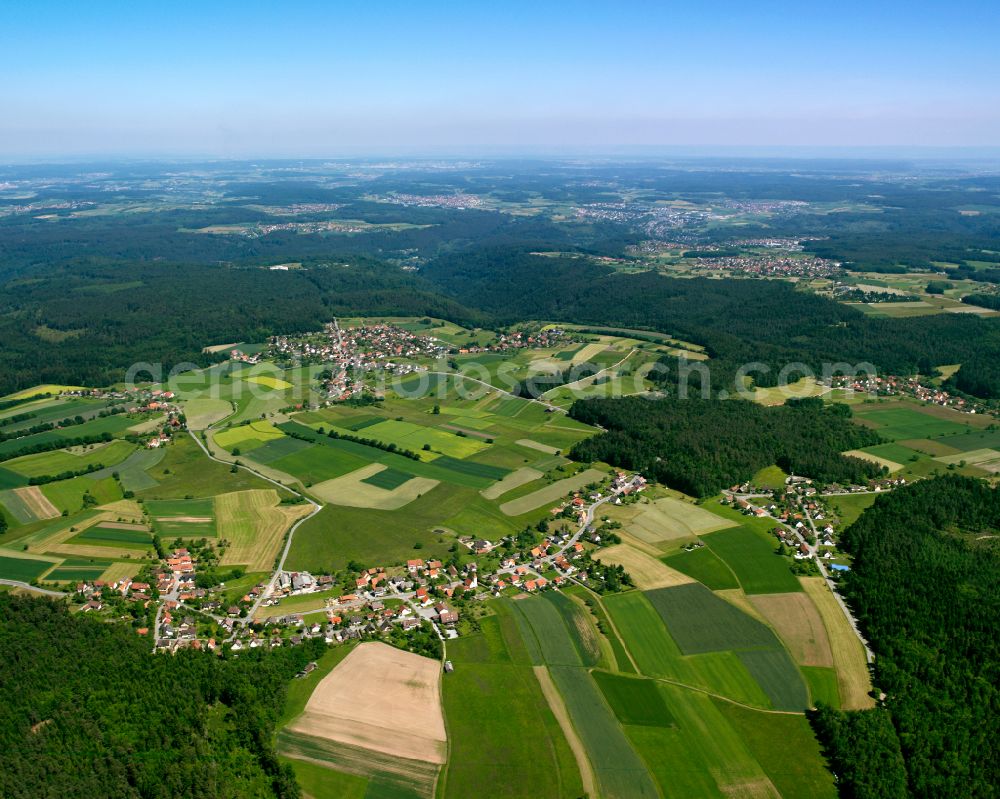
[853,678]
[214,348]
[383,699]
[667,519]
[551,493]
[779,395]
[37,502]
[799,625]
[515,479]
[351,491]
[892,466]
[125,509]
[269,381]
[120,570]
[254,524]
[48,388]
[589,351]
[646,571]
[527,442]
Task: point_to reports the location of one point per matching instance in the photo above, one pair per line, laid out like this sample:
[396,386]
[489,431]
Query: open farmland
[14,567]
[551,493]
[658,655]
[246,437]
[515,479]
[382,699]
[666,519]
[28,504]
[799,625]
[359,489]
[749,552]
[61,460]
[505,740]
[906,421]
[254,524]
[704,566]
[645,570]
[619,771]
[853,677]
[183,518]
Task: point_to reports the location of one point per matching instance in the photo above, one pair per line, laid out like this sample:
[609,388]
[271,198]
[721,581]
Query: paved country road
[35,588]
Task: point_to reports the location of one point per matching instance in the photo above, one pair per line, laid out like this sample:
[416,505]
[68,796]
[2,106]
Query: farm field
[907,421]
[382,699]
[202,412]
[657,654]
[551,493]
[246,437]
[515,479]
[13,567]
[183,518]
[255,524]
[849,507]
[986,459]
[359,489]
[749,553]
[799,625]
[645,570]
[853,678]
[503,735]
[28,504]
[618,769]
[665,520]
[69,495]
[185,471]
[705,566]
[60,460]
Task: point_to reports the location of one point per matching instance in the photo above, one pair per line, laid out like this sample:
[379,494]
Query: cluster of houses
[517,340]
[93,592]
[893,386]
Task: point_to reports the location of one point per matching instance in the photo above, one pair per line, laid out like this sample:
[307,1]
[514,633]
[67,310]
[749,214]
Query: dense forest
[701,446]
[925,584]
[89,712]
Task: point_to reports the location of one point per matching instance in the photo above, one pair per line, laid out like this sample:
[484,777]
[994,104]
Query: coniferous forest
[88,711]
[701,446]
[925,583]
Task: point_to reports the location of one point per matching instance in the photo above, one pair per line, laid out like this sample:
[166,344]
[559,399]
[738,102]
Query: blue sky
[305,78]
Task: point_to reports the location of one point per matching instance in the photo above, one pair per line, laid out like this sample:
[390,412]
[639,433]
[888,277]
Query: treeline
[43,479]
[701,446]
[766,324]
[926,589]
[60,443]
[991,301]
[92,713]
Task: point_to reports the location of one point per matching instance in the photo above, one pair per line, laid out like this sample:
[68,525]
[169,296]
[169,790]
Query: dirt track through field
[383,699]
[558,708]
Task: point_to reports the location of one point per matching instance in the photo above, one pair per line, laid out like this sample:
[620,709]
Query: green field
[101,534]
[23,569]
[701,622]
[749,552]
[619,770]
[658,655]
[704,566]
[388,479]
[634,700]
[902,423]
[59,461]
[246,437]
[338,534]
[183,518]
[504,739]
[795,765]
[822,682]
[186,471]
[278,448]
[68,495]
